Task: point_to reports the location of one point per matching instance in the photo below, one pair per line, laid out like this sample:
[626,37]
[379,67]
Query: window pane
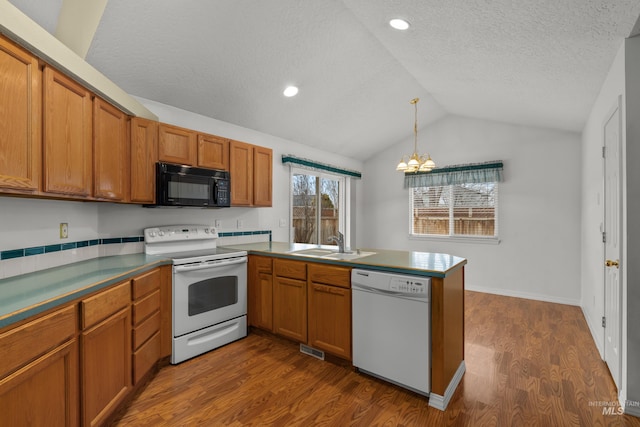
[304,208]
[431,210]
[474,209]
[330,215]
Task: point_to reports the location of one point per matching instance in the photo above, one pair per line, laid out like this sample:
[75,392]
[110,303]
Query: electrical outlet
[217,223]
[64,230]
[283,222]
[240,223]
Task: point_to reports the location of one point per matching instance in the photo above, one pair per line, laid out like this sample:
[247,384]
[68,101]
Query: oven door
[209,293]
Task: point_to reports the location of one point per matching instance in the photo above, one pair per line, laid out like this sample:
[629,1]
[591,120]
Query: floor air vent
[312,351]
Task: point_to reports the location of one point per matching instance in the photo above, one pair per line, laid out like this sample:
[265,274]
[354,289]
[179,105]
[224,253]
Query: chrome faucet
[339,239]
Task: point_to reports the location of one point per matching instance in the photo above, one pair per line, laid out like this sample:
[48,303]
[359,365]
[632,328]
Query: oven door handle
[209,264]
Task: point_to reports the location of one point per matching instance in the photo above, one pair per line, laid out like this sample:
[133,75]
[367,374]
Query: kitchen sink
[349,255]
[314,252]
[332,254]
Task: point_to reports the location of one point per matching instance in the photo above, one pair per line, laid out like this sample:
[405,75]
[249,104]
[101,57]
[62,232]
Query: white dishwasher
[392,327]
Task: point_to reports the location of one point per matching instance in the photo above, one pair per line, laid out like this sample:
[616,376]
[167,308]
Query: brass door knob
[612,263]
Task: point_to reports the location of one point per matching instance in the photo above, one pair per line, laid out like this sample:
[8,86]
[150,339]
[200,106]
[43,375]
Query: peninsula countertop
[407,262]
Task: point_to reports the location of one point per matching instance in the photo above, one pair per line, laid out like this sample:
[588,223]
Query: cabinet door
[110,152]
[176,145]
[106,367]
[144,156]
[241,171]
[330,319]
[213,152]
[262,176]
[262,316]
[67,136]
[44,392]
[20,127]
[290,308]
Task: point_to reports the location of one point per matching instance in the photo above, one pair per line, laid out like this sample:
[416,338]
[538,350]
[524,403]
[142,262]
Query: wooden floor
[528,363]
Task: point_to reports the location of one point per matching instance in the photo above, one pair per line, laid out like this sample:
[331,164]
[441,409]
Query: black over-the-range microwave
[180,185]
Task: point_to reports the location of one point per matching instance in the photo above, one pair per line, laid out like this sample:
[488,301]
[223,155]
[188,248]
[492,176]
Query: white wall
[592,253]
[631,245]
[30,222]
[539,218]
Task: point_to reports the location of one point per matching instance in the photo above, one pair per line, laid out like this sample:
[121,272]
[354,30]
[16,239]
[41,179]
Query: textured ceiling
[537,63]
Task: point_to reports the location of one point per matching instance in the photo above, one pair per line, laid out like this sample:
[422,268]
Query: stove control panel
[179,233]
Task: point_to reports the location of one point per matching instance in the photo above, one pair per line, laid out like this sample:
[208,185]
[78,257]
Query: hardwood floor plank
[529,363]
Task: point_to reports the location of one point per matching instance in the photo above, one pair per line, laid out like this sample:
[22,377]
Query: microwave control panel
[222,196]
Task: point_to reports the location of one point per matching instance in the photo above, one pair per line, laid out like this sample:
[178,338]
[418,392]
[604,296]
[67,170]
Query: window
[312,190]
[461,210]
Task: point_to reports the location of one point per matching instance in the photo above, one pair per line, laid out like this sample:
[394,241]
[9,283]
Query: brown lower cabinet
[39,374]
[330,309]
[307,302]
[260,289]
[77,364]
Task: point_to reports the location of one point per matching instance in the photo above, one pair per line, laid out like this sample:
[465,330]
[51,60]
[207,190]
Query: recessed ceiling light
[290,91]
[399,24]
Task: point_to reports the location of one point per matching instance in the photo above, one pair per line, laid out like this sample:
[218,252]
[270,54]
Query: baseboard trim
[594,335]
[441,402]
[525,295]
[632,410]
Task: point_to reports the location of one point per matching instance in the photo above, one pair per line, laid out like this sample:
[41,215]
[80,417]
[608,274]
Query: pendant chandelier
[416,163]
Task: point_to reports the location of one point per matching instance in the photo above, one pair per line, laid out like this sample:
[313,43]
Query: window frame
[463,238]
[343,197]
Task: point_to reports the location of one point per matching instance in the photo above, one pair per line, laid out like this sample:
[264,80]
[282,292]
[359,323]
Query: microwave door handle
[215,191]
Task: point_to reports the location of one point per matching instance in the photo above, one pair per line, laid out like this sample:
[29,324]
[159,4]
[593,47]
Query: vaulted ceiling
[537,63]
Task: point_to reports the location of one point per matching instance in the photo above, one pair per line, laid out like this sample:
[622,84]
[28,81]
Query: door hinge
[604,322]
[604,151]
[604,237]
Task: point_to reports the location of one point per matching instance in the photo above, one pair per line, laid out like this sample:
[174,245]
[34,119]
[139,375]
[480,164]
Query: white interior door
[612,250]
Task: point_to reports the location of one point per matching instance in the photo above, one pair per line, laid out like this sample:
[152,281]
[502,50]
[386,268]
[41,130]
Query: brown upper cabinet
[213,152]
[251,174]
[241,164]
[110,152]
[176,145]
[21,121]
[262,176]
[67,136]
[144,155]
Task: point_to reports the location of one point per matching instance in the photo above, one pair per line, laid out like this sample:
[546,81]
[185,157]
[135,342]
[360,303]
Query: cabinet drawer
[330,275]
[148,282]
[146,329]
[146,357]
[145,307]
[291,269]
[36,338]
[263,264]
[106,303]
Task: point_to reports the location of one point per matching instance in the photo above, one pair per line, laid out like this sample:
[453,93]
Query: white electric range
[209,288]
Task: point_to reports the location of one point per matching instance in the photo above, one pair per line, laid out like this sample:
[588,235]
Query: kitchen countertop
[29,294]
[407,262]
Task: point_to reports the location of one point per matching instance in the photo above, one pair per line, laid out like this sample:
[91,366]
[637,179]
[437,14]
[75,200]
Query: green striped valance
[310,164]
[456,174]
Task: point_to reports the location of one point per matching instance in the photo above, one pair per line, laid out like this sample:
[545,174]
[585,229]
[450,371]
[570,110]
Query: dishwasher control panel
[409,285]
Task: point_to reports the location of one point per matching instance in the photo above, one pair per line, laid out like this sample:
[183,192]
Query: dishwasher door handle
[375,290]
